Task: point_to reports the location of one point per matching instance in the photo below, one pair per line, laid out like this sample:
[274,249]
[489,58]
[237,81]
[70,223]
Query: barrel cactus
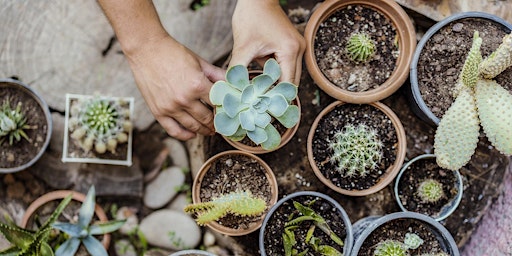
[479,100]
[247,107]
[430,191]
[360,47]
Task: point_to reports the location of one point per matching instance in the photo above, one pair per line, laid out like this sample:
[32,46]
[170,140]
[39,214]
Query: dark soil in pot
[331,40]
[443,56]
[416,173]
[235,173]
[21,152]
[354,114]
[396,229]
[273,236]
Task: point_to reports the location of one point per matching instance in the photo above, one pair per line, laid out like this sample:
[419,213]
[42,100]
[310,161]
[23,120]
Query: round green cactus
[356,150]
[430,191]
[360,47]
[390,248]
[12,123]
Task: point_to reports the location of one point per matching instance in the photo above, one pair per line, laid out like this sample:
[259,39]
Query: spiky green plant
[83,232]
[430,191]
[242,203]
[390,248]
[31,243]
[479,100]
[356,150]
[100,122]
[360,47]
[13,123]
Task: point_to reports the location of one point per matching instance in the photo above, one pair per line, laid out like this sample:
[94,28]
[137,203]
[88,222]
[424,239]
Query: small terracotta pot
[196,192]
[390,172]
[59,195]
[406,41]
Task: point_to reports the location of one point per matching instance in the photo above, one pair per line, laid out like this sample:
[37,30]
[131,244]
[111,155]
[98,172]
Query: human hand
[261,30]
[175,84]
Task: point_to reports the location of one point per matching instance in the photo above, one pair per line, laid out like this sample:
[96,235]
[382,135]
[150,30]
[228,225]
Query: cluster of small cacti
[430,191]
[242,203]
[356,150]
[12,123]
[360,47]
[479,100]
[392,247]
[100,123]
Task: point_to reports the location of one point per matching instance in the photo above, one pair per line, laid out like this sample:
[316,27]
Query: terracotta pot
[285,137]
[196,191]
[59,195]
[417,103]
[390,172]
[15,84]
[406,41]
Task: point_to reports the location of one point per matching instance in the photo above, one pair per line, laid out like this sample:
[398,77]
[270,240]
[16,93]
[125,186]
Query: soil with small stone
[232,173]
[411,179]
[276,224]
[443,56]
[331,40]
[23,151]
[396,230]
[334,122]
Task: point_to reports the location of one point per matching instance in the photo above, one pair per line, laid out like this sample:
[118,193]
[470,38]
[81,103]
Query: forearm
[135,22]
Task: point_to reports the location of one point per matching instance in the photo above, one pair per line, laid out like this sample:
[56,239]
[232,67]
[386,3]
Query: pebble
[123,247]
[132,221]
[170,229]
[177,152]
[179,202]
[162,189]
[208,239]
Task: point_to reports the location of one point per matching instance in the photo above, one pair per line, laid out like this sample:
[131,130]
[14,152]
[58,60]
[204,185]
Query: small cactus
[430,191]
[356,150]
[360,47]
[101,123]
[13,123]
[390,248]
[242,203]
[412,241]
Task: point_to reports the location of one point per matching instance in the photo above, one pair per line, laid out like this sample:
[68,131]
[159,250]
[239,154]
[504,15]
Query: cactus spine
[360,47]
[430,191]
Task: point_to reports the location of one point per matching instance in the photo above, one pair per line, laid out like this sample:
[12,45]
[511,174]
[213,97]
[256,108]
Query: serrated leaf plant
[245,107]
[13,123]
[479,101]
[83,231]
[28,242]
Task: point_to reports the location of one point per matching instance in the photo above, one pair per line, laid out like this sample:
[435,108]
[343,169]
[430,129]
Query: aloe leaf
[106,227]
[87,209]
[17,236]
[69,247]
[94,247]
[73,230]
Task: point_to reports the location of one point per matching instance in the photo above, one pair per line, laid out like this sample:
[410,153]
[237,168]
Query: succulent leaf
[226,125]
[238,76]
[288,90]
[232,105]
[290,117]
[262,83]
[69,247]
[456,136]
[219,90]
[495,111]
[390,248]
[278,105]
[87,209]
[469,73]
[247,119]
[258,135]
[272,69]
[239,134]
[94,247]
[262,119]
[106,227]
[499,60]
[273,138]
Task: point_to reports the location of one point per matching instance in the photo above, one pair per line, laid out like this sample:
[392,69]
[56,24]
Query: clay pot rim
[407,42]
[391,171]
[61,194]
[196,187]
[44,107]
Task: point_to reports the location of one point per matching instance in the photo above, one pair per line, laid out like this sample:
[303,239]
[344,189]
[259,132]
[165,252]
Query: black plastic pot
[364,227]
[343,215]
[417,103]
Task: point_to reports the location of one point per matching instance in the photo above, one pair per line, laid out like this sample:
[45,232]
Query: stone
[170,229]
[123,247]
[208,239]
[179,202]
[132,221]
[177,152]
[164,187]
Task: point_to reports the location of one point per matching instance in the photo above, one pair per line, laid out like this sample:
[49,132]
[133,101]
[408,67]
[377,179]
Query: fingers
[175,130]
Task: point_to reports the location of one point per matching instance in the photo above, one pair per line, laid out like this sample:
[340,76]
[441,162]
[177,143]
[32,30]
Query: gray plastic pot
[348,225]
[417,103]
[364,227]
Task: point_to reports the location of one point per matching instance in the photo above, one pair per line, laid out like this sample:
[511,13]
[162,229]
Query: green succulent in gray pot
[248,107]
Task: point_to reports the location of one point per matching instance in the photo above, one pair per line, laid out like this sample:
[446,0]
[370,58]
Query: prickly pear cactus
[499,60]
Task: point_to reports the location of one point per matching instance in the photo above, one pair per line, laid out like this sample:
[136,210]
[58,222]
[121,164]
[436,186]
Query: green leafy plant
[31,243]
[247,107]
[479,100]
[242,203]
[308,216]
[100,122]
[83,232]
[13,123]
[360,47]
[356,150]
[392,247]
[430,191]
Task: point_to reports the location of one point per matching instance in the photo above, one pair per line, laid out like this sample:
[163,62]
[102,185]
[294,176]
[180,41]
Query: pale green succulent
[479,100]
[430,191]
[247,107]
[356,150]
[242,203]
[360,47]
[392,247]
[100,122]
[13,123]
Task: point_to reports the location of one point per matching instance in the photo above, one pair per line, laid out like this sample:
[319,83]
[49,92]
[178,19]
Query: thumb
[212,72]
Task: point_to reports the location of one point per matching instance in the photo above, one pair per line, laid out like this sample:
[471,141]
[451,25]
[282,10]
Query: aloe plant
[13,123]
[479,101]
[242,203]
[31,243]
[83,232]
[247,107]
